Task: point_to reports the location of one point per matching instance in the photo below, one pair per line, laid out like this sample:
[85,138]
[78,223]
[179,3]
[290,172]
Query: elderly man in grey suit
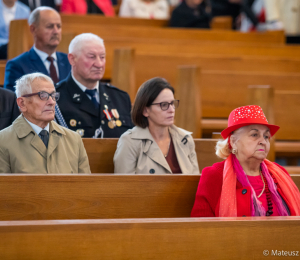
[34,143]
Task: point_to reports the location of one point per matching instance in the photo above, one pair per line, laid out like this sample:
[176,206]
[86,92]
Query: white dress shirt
[83,88]
[36,128]
[44,56]
[8,13]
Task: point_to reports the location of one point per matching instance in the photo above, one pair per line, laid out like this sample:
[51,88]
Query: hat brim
[226,132]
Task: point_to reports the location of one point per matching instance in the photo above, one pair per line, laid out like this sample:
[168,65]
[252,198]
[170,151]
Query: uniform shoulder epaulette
[108,85]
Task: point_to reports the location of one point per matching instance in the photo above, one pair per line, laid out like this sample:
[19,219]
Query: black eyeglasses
[165,105]
[45,95]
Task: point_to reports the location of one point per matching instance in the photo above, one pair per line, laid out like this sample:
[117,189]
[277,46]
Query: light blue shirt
[22,12]
[43,56]
[36,128]
[83,88]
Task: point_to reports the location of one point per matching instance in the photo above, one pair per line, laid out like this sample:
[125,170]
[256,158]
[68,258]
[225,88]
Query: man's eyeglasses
[165,105]
[45,95]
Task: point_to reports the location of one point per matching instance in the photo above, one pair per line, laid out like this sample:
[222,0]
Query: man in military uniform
[87,106]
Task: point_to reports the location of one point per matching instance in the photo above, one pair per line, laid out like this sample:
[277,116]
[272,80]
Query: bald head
[45,26]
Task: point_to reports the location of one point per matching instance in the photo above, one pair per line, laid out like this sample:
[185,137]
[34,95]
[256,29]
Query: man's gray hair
[23,84]
[80,39]
[34,17]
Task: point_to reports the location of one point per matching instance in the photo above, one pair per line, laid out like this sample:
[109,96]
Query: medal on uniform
[80,132]
[110,123]
[116,116]
[73,122]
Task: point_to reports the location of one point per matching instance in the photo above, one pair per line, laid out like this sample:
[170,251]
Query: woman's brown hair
[145,96]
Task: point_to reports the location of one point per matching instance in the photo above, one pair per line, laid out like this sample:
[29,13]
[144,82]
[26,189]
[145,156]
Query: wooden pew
[97,196]
[2,71]
[136,239]
[101,152]
[128,36]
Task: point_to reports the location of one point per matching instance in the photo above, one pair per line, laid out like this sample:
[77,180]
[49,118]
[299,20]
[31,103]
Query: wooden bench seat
[136,239]
[97,196]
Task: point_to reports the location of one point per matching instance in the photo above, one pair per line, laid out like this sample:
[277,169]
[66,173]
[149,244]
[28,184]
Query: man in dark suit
[89,107]
[37,3]
[9,110]
[45,26]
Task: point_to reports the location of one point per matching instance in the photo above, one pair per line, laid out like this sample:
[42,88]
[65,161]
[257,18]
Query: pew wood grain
[185,238]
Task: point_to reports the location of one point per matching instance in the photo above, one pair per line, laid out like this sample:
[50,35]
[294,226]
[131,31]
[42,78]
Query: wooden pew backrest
[136,239]
[95,196]
[101,152]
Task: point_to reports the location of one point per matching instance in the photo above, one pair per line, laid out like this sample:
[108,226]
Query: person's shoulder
[61,55]
[6,134]
[16,61]
[65,131]
[6,94]
[215,170]
[25,9]
[110,87]
[60,85]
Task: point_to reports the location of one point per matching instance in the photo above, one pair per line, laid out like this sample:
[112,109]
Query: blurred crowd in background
[247,15]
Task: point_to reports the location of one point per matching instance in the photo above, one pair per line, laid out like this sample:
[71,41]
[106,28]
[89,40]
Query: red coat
[207,201]
[80,7]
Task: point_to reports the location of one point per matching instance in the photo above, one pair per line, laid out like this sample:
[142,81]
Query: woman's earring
[234,151]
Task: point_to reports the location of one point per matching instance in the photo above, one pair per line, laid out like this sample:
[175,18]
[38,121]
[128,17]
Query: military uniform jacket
[80,114]
[23,151]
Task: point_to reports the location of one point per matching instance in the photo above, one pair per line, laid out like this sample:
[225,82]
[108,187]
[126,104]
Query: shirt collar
[36,128]
[82,87]
[44,55]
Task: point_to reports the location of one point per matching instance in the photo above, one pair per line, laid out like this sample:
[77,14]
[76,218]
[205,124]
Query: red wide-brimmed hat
[247,115]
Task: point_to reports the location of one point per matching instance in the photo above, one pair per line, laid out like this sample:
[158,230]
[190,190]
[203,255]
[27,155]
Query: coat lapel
[55,135]
[182,150]
[79,97]
[37,63]
[23,129]
[62,66]
[151,149]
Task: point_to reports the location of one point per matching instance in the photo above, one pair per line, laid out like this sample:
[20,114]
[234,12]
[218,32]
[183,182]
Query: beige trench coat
[286,11]
[137,152]
[23,151]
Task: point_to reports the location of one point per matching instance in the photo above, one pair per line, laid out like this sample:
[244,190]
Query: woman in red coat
[246,183]
[87,6]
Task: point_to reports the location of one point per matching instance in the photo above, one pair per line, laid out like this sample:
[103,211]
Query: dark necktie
[53,74]
[92,93]
[44,135]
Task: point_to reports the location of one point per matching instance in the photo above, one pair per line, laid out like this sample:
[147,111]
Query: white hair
[80,39]
[23,84]
[222,147]
[34,17]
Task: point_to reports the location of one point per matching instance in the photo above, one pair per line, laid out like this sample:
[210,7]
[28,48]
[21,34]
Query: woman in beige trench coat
[155,145]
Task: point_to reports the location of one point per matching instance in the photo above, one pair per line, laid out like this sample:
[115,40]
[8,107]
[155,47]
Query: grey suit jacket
[23,151]
[137,152]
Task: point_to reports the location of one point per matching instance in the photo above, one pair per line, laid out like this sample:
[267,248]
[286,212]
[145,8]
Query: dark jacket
[184,16]
[9,110]
[30,62]
[80,114]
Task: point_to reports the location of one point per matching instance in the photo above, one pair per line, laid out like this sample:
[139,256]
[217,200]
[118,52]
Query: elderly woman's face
[253,143]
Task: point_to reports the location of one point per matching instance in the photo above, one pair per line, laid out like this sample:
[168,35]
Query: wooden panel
[96,20]
[2,71]
[187,238]
[123,76]
[221,23]
[101,153]
[287,116]
[95,196]
[28,197]
[190,101]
